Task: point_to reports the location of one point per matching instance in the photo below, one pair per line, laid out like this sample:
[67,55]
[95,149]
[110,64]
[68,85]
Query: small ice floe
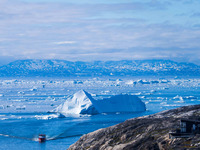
[93,95]
[17,100]
[160,98]
[153,91]
[3,118]
[154,82]
[139,93]
[142,97]
[119,80]
[1,106]
[33,89]
[130,82]
[164,81]
[148,93]
[20,92]
[20,107]
[143,82]
[1,95]
[48,117]
[190,97]
[177,97]
[9,106]
[163,103]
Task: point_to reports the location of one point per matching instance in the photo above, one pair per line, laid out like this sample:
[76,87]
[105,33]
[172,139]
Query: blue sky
[87,30]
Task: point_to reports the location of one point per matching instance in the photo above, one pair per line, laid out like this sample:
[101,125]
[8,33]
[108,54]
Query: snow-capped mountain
[98,68]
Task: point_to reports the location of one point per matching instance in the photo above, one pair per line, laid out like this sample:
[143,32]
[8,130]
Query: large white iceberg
[79,103]
[83,103]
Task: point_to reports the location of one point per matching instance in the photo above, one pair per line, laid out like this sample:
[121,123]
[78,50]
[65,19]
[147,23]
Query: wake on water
[35,138]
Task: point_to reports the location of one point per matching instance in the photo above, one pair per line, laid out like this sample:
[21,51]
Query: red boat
[42,138]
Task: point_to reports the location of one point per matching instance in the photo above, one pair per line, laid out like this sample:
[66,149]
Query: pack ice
[83,103]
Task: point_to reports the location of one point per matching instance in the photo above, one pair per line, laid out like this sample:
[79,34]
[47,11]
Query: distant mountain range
[62,68]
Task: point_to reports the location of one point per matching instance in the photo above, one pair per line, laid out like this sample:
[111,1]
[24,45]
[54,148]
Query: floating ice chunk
[1,95]
[3,118]
[9,106]
[20,107]
[142,97]
[160,98]
[20,92]
[164,81]
[190,97]
[153,91]
[177,97]
[154,82]
[147,93]
[119,80]
[51,116]
[143,82]
[130,82]
[139,93]
[33,89]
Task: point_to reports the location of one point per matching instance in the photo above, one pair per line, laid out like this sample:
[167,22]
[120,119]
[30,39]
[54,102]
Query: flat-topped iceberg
[119,103]
[83,103]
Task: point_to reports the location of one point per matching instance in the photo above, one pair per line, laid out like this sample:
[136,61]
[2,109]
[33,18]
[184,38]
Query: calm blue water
[19,129]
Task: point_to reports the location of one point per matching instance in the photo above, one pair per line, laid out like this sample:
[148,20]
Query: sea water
[25,106]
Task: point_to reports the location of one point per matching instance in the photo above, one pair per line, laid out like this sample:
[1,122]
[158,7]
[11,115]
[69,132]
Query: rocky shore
[143,133]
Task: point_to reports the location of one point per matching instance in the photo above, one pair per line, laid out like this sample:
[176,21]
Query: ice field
[26,103]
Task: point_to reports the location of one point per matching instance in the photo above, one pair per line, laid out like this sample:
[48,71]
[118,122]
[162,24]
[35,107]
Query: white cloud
[96,30]
[65,42]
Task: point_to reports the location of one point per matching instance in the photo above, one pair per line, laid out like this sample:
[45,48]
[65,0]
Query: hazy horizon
[90,61]
[100,30]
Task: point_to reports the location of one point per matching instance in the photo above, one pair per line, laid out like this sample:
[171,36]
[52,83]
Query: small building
[188,128]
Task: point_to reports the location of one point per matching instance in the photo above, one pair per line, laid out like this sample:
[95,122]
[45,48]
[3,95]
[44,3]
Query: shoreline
[148,132]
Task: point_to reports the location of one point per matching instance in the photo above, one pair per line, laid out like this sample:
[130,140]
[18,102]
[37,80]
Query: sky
[88,30]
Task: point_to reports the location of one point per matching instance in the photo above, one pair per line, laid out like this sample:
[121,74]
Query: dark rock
[143,133]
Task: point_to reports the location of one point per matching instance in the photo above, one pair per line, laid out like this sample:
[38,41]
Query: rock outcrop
[143,133]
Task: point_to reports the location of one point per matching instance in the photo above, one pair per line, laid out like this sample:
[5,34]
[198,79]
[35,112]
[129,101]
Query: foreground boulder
[143,133]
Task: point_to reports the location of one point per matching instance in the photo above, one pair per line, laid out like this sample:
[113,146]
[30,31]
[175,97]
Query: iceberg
[83,103]
[79,103]
[119,103]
